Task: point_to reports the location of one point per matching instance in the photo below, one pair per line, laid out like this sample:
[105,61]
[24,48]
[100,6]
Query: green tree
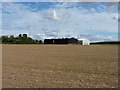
[5,39]
[11,39]
[21,39]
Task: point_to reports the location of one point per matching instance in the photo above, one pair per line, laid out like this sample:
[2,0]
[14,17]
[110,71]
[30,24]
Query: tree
[4,39]
[20,35]
[11,39]
[24,35]
[22,39]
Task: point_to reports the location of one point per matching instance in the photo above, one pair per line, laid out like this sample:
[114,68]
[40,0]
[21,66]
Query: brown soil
[60,66]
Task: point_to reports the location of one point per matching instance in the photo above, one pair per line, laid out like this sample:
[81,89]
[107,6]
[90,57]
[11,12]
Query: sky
[96,21]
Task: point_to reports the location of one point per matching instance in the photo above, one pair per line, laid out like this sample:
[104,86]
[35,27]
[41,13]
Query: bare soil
[59,66]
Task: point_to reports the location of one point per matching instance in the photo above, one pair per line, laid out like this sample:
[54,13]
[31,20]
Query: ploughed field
[59,66]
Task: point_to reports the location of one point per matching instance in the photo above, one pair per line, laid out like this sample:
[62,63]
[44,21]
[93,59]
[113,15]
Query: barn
[61,41]
[84,41]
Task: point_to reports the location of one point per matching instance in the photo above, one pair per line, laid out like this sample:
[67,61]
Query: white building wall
[84,41]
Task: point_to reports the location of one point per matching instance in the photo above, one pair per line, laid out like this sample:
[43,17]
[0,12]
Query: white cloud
[59,22]
[94,37]
[52,15]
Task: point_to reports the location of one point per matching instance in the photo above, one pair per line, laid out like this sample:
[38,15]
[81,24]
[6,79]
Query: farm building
[61,41]
[67,41]
[84,41]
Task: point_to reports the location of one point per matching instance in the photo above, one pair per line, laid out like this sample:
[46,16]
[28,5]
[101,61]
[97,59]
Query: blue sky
[40,20]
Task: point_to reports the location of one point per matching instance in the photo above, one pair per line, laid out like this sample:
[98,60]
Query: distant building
[84,41]
[61,41]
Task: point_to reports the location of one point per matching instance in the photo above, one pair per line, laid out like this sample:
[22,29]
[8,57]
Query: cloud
[94,37]
[64,20]
[60,15]
[53,15]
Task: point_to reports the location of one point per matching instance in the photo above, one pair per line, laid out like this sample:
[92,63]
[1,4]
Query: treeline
[107,42]
[21,39]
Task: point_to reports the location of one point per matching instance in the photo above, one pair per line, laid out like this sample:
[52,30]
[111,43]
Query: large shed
[61,41]
[84,41]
